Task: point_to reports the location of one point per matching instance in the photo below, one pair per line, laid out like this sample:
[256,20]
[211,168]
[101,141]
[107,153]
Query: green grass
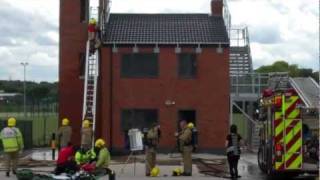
[43,125]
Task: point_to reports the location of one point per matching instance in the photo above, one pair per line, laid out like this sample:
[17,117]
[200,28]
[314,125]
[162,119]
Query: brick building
[153,68]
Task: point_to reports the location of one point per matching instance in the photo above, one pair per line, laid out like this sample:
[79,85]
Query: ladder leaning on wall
[101,14]
[91,80]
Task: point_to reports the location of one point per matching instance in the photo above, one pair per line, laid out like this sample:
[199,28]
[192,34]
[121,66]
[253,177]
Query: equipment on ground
[155,172]
[177,172]
[136,144]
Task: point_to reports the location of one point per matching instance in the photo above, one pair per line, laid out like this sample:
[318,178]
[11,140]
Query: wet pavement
[205,166]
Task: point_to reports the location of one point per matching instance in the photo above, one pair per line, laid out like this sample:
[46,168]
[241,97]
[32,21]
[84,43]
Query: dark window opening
[139,65]
[188,115]
[138,118]
[187,65]
[84,9]
[82,64]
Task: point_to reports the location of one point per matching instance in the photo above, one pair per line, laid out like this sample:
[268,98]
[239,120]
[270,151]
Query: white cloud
[286,30]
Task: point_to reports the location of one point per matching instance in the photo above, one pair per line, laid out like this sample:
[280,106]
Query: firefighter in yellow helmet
[151,144]
[64,133]
[103,159]
[185,142]
[86,135]
[12,142]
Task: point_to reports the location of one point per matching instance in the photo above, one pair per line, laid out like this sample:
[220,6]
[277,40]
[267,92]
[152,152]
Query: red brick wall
[73,35]
[208,94]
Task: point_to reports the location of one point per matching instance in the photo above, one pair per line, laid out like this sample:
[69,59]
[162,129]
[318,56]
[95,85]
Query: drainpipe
[111,99]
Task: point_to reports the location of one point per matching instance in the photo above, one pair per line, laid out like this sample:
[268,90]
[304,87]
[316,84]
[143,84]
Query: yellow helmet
[190,125]
[100,143]
[155,172]
[65,122]
[12,122]
[92,21]
[86,123]
[177,172]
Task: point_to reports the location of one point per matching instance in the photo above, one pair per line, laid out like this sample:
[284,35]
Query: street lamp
[24,64]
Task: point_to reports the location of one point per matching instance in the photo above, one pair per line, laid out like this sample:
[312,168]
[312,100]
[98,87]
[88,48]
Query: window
[139,65]
[84,8]
[187,65]
[82,64]
[138,118]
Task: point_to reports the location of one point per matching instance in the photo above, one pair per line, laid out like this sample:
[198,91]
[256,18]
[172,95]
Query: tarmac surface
[205,166]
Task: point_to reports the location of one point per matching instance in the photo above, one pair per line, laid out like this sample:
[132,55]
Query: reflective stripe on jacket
[11,139]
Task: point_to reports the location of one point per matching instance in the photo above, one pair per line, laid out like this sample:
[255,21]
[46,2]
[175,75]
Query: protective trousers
[11,161]
[150,159]
[187,159]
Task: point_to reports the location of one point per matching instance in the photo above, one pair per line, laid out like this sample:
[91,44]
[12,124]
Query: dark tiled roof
[165,29]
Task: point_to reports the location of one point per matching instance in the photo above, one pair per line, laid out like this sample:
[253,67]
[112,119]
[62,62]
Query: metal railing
[248,83]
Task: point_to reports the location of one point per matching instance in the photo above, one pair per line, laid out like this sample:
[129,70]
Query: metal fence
[39,122]
[248,83]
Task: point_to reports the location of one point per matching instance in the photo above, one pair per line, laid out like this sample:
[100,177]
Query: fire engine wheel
[261,163]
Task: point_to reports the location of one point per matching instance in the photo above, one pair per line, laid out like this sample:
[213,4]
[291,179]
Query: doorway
[189,115]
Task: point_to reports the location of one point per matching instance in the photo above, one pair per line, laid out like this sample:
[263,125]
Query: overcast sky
[286,30]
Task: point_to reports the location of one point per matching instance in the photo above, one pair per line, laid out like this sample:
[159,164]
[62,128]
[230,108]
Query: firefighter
[194,139]
[233,151]
[81,156]
[103,157]
[185,138]
[12,142]
[64,133]
[66,161]
[86,135]
[92,29]
[151,143]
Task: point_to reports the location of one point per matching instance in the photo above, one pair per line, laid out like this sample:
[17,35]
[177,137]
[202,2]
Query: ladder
[90,86]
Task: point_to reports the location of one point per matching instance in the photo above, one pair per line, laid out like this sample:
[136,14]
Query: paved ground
[248,168]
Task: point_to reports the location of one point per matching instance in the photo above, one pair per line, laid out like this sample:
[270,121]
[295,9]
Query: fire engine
[281,137]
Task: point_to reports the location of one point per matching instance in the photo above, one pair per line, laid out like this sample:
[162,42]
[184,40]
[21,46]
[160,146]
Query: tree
[293,70]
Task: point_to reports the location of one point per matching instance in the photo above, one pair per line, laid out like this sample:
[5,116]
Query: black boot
[8,174]
[14,172]
[186,174]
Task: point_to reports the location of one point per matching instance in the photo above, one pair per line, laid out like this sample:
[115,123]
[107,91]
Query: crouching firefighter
[186,148]
[151,144]
[103,160]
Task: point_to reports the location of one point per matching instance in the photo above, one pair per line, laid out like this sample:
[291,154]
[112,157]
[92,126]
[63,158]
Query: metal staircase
[240,54]
[308,90]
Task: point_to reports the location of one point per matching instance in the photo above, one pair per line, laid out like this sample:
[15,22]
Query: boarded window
[138,118]
[84,10]
[139,65]
[187,65]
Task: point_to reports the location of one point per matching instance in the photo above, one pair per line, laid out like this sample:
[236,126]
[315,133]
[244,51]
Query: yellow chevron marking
[296,164]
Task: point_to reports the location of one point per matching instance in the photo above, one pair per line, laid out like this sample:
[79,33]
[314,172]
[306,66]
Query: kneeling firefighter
[151,144]
[103,160]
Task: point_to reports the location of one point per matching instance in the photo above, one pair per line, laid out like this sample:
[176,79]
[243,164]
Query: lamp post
[24,64]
